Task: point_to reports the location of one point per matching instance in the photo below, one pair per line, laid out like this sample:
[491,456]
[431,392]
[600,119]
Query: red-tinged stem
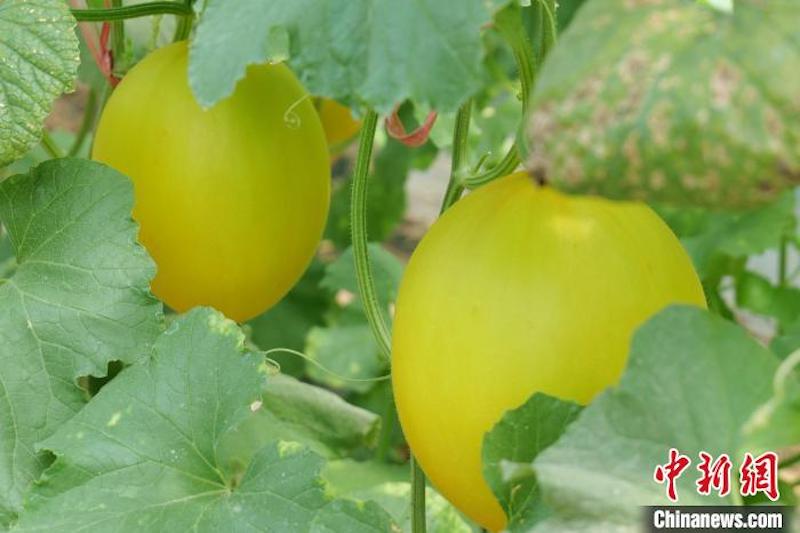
[98,45]
[415,138]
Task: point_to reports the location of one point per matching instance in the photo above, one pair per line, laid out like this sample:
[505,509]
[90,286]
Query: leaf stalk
[133,11]
[509,23]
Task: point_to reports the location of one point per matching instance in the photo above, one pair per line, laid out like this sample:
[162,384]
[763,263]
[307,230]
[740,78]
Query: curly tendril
[275,365]
[291,118]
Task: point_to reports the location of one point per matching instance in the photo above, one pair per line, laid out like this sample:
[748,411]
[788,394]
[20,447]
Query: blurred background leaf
[674,102]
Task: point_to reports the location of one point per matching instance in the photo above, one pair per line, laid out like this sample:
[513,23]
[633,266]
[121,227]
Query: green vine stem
[358,225]
[133,11]
[118,36]
[366,287]
[783,250]
[509,23]
[387,427]
[50,145]
[506,166]
[86,125]
[460,134]
[417,497]
[105,95]
[184,28]
[7,266]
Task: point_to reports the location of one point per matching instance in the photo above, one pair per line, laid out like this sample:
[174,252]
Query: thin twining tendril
[290,117]
[319,365]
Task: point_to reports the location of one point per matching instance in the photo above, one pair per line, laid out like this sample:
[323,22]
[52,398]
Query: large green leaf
[380,52]
[144,454]
[347,476]
[78,299]
[440,516]
[672,101]
[387,484]
[693,381]
[510,448]
[38,61]
[296,411]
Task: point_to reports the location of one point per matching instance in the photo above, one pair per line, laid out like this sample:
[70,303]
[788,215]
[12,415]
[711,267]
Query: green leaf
[693,380]
[566,11]
[296,411]
[78,299]
[440,516]
[386,270]
[37,154]
[40,56]
[776,424]
[756,293]
[348,352]
[387,485]
[673,102]
[386,201]
[511,446]
[143,454]
[377,52]
[788,340]
[379,399]
[347,476]
[714,238]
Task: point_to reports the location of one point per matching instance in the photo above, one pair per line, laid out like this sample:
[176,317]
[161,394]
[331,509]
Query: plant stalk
[387,427]
[107,90]
[417,498]
[358,223]
[782,261]
[185,23]
[87,124]
[509,24]
[50,145]
[118,36]
[366,287]
[460,137]
[133,11]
